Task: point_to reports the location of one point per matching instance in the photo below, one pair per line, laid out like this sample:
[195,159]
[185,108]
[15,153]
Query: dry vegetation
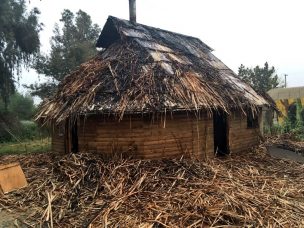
[82,190]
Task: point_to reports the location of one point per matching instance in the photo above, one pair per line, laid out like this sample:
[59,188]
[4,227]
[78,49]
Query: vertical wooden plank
[58,139]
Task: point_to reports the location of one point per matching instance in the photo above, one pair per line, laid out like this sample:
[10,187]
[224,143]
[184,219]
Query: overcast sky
[248,32]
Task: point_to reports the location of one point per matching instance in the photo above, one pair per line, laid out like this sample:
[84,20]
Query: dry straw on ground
[83,190]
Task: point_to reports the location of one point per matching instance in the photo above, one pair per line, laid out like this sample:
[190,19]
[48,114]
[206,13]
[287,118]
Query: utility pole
[285,80]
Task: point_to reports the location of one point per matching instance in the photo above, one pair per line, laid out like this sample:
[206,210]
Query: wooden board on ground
[11,177]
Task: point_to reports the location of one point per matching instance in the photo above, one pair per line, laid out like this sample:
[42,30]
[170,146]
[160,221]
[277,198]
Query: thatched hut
[152,93]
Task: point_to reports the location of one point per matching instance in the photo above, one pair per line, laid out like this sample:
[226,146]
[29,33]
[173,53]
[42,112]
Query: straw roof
[142,69]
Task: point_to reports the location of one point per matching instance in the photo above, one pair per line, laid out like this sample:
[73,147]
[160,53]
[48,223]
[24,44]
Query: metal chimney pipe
[132,9]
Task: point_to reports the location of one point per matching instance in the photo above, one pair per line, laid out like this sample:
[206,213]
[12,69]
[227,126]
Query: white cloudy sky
[248,32]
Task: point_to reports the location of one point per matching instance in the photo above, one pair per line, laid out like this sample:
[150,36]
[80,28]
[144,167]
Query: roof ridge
[159,29]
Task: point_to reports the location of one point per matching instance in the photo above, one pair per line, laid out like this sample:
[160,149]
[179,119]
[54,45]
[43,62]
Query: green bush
[12,124]
[275,129]
[298,131]
[22,131]
[30,130]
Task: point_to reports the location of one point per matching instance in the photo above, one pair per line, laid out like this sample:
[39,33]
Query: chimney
[132,9]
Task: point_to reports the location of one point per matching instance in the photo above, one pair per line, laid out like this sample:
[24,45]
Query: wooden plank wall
[203,139]
[241,138]
[179,135]
[125,137]
[105,135]
[58,139]
[143,138]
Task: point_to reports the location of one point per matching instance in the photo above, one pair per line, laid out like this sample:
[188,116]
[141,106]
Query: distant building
[286,100]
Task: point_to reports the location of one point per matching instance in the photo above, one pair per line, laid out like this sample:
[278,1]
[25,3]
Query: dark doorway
[74,138]
[220,128]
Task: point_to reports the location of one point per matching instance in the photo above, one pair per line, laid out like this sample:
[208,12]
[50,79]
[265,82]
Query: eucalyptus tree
[19,43]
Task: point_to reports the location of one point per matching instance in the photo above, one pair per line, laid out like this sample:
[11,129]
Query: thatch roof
[144,69]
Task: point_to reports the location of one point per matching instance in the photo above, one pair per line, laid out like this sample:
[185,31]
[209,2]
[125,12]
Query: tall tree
[19,42]
[261,79]
[72,44]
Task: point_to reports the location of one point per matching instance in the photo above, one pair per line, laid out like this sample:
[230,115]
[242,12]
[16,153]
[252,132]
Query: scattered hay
[79,190]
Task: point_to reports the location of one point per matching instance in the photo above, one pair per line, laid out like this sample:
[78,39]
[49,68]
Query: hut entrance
[71,137]
[74,138]
[220,129]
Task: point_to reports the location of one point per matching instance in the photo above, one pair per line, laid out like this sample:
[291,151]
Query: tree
[71,45]
[20,106]
[262,79]
[19,42]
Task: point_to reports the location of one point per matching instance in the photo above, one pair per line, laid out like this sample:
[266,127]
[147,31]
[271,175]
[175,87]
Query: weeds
[28,146]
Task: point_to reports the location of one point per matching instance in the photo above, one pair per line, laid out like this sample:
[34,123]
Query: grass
[30,146]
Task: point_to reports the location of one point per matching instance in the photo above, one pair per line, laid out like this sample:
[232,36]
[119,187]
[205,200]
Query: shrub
[21,131]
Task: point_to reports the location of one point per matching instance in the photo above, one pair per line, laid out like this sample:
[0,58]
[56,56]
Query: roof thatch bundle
[142,70]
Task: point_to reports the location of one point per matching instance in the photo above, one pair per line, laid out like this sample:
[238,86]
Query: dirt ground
[281,153]
[8,220]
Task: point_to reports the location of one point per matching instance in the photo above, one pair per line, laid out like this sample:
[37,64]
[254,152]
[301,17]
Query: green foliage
[262,79]
[9,125]
[72,44]
[20,108]
[275,129]
[299,124]
[299,114]
[294,121]
[19,42]
[29,130]
[19,131]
